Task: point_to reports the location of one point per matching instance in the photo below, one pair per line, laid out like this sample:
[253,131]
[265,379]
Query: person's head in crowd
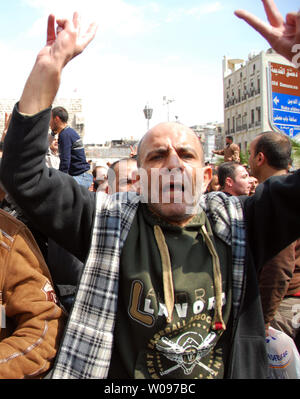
[228,140]
[100,177]
[253,184]
[122,175]
[54,145]
[270,155]
[59,119]
[214,183]
[172,172]
[233,179]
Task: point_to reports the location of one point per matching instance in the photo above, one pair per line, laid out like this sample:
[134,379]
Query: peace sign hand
[283,36]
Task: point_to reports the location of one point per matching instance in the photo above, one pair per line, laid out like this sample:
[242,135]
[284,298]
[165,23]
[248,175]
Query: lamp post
[148,114]
[167,102]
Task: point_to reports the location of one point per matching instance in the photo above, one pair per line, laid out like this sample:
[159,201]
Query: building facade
[110,151]
[74,107]
[211,136]
[247,96]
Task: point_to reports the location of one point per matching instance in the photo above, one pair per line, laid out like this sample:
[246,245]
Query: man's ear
[137,178]
[207,176]
[229,182]
[261,159]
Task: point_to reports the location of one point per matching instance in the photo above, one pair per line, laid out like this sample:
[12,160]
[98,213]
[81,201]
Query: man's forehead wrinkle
[166,134]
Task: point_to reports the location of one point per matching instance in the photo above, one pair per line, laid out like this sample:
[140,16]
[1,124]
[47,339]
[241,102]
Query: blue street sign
[286,113]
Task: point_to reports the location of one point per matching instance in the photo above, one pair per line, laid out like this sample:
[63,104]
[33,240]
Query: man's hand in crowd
[281,34]
[66,42]
[63,44]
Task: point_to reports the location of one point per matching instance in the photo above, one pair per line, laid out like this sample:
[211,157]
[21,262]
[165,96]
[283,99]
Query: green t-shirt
[145,345]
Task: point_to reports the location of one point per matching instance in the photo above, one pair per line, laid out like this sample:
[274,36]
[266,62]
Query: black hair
[62,113]
[276,147]
[226,169]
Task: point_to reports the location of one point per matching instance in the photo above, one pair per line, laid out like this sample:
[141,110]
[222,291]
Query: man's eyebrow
[163,150]
[186,148]
[160,150]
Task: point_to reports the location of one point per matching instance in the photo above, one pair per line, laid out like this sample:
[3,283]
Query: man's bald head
[169,129]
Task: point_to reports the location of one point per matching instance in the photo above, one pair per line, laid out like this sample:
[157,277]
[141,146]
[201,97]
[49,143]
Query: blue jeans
[85,179]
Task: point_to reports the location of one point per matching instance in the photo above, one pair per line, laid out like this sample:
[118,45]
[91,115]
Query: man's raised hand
[63,44]
[66,41]
[281,34]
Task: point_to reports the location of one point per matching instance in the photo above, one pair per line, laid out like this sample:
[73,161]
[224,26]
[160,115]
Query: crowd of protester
[81,252]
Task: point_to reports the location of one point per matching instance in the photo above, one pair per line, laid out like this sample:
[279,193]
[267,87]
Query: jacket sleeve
[235,153]
[274,280]
[34,321]
[53,201]
[219,152]
[273,217]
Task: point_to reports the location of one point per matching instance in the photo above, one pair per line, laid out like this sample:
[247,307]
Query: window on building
[239,122]
[244,120]
[258,114]
[252,116]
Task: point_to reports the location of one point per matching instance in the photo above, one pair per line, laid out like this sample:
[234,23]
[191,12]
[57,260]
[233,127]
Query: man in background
[233,179]
[122,176]
[100,182]
[279,280]
[70,147]
[231,151]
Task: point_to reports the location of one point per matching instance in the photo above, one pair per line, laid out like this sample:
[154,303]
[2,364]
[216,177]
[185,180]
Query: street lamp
[148,114]
[167,102]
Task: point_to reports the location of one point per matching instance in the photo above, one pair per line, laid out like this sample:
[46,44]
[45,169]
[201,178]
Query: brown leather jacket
[231,153]
[280,277]
[32,321]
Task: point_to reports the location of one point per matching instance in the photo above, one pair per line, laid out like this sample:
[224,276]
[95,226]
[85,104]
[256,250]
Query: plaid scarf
[87,345]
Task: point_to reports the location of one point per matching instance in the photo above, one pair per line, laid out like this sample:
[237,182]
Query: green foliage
[295,153]
[218,159]
[244,157]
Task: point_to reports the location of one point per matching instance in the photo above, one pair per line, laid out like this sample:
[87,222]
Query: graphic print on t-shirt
[185,347]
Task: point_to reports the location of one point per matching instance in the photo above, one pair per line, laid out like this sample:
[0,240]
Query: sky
[143,51]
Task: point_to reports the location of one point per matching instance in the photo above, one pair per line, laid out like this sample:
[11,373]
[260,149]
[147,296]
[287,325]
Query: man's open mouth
[173,187]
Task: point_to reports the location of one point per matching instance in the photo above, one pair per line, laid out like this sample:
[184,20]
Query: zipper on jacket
[2,313]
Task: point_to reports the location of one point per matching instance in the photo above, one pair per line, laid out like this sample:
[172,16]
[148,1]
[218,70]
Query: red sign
[285,79]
